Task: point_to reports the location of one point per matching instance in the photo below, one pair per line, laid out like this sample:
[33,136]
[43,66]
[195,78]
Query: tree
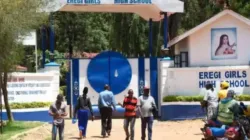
[83,31]
[128,33]
[16,19]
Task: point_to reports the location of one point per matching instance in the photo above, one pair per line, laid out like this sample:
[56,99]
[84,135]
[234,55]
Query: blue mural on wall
[109,68]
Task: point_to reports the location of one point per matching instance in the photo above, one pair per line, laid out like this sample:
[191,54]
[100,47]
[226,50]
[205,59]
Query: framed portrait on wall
[224,43]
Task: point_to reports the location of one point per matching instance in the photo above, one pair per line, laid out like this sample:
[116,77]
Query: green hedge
[29,105]
[174,98]
[243,97]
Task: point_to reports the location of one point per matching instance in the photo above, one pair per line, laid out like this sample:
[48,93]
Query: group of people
[222,108]
[144,105]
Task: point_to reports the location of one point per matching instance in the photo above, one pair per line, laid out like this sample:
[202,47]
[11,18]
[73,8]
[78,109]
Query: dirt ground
[169,130]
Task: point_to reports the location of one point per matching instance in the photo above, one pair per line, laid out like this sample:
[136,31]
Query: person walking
[82,109]
[130,105]
[58,111]
[105,102]
[146,108]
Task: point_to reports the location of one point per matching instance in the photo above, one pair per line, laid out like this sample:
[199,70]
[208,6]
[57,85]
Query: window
[177,61]
[183,59]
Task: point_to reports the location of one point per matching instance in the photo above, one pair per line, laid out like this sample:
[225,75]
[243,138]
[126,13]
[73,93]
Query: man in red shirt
[130,105]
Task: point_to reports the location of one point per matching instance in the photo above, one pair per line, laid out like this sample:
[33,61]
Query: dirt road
[180,130]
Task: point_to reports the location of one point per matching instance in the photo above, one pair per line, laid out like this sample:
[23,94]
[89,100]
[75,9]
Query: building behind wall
[197,46]
[215,50]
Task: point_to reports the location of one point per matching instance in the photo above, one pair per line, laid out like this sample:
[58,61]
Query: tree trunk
[3,82]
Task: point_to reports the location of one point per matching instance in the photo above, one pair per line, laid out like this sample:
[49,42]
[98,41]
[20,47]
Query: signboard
[30,89]
[30,39]
[132,1]
[109,1]
[83,1]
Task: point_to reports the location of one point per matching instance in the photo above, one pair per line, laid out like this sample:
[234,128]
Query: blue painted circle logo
[109,68]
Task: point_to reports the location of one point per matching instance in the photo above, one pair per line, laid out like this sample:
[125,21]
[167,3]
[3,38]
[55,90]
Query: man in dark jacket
[82,109]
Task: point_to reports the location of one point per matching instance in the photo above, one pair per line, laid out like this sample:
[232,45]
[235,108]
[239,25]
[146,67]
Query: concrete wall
[34,87]
[191,81]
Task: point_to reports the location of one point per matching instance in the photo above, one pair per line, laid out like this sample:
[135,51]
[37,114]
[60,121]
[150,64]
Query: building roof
[82,55]
[20,68]
[208,22]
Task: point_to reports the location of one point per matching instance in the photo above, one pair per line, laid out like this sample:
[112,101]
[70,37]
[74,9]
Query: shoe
[108,132]
[127,138]
[80,135]
[202,129]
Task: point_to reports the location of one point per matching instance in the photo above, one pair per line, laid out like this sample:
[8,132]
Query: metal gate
[110,68]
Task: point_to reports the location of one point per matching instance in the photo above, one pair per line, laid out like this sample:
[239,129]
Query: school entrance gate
[119,72]
[150,10]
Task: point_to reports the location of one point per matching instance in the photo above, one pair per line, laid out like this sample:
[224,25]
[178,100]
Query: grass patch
[17,127]
[174,98]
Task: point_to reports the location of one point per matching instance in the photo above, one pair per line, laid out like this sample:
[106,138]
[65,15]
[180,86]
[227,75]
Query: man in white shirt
[146,107]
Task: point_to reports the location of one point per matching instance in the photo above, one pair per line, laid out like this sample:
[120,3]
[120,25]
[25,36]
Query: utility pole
[226,4]
[1,105]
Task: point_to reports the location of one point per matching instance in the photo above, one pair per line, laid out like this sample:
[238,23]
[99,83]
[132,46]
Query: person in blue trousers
[146,108]
[82,109]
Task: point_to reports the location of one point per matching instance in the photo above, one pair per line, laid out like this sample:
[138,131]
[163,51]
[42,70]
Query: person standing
[105,102]
[58,111]
[146,107]
[228,109]
[130,105]
[224,85]
[82,109]
[211,101]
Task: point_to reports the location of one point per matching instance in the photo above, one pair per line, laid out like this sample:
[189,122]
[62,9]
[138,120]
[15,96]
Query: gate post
[52,37]
[68,84]
[141,75]
[74,83]
[153,65]
[154,78]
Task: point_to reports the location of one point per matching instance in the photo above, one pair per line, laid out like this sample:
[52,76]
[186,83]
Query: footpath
[179,130]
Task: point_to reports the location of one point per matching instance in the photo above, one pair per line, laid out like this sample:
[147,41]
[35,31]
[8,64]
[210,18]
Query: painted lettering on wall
[92,1]
[16,79]
[83,1]
[132,1]
[22,89]
[235,78]
[19,89]
[75,1]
